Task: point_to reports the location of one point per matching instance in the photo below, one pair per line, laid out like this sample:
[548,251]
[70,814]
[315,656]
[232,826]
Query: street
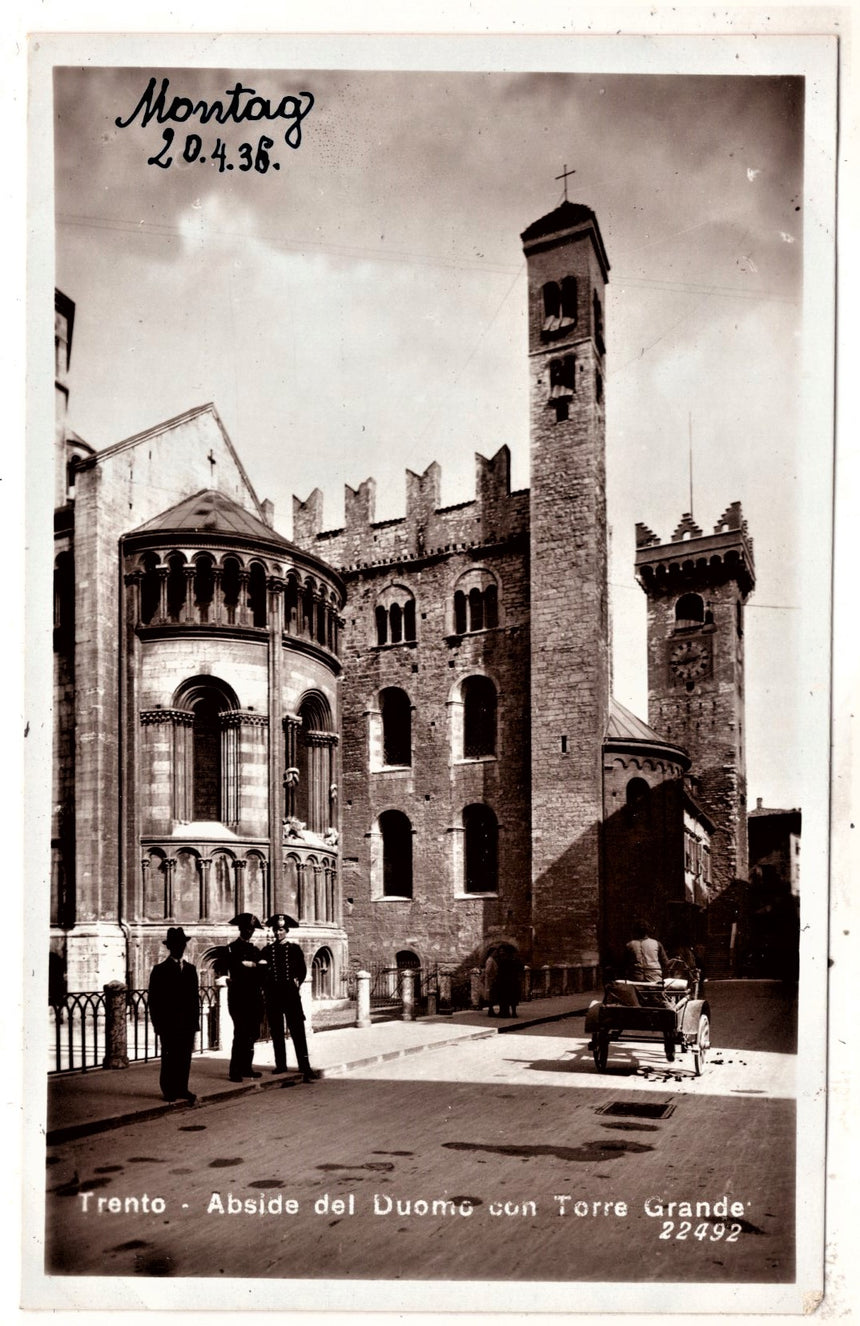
[508,1158]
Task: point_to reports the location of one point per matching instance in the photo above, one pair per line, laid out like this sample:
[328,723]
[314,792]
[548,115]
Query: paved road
[493,1160]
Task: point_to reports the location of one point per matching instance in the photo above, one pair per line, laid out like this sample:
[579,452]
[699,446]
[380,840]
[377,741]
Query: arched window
[206,757]
[395,616]
[407,960]
[315,742]
[559,307]
[206,763]
[479,717]
[204,587]
[321,974]
[637,793]
[396,834]
[150,589]
[476,602]
[460,612]
[64,601]
[175,587]
[257,594]
[689,611]
[476,609]
[230,587]
[396,726]
[482,849]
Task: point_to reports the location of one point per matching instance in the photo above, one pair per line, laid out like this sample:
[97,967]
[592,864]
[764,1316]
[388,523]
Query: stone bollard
[225,1022]
[407,978]
[547,978]
[476,987]
[565,975]
[116,1026]
[527,982]
[362,997]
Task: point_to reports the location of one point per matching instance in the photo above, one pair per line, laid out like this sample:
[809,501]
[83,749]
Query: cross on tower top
[563,176]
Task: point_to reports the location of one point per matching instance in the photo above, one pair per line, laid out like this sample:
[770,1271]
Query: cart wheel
[669,1046]
[601,1050]
[702,1044]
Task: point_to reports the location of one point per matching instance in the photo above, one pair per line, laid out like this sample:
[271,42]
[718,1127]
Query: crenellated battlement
[729,550]
[495,515]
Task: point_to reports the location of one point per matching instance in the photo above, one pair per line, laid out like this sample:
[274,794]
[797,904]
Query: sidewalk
[92,1102]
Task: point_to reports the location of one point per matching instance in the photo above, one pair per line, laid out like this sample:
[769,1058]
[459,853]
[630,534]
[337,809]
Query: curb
[72,1132]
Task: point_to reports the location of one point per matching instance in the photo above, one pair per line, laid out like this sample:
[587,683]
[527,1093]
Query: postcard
[431,765]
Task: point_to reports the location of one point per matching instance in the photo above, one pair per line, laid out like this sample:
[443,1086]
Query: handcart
[671,1011]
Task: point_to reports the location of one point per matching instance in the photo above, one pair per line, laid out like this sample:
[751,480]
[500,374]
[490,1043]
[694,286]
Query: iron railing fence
[81,1031]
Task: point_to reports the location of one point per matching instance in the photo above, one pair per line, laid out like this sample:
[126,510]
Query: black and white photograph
[429,850]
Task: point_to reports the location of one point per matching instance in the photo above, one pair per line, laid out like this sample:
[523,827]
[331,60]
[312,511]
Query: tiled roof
[212,510]
[563,218]
[624,726]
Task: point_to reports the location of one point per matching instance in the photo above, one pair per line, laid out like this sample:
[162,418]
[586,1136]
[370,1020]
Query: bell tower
[567,275]
[697,586]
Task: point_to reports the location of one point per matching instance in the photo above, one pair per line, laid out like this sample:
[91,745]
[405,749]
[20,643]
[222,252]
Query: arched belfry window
[689,612]
[559,307]
[206,763]
[396,712]
[481,849]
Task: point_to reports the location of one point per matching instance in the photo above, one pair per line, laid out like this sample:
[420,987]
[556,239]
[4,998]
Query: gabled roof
[210,511]
[624,729]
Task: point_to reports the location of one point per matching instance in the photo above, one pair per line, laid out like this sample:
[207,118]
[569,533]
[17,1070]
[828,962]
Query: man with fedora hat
[174,1009]
[285,969]
[244,996]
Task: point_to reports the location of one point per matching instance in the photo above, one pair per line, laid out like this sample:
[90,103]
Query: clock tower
[697,587]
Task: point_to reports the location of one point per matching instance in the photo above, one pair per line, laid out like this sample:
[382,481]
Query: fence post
[116,1026]
[476,987]
[445,989]
[362,998]
[407,977]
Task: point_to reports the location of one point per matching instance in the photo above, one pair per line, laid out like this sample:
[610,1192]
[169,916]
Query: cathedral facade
[400,731]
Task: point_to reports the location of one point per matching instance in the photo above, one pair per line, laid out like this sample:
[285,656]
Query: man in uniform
[174,1010]
[244,996]
[284,971]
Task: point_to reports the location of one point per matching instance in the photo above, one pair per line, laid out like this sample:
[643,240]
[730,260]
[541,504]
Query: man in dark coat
[174,1010]
[508,980]
[244,996]
[284,971]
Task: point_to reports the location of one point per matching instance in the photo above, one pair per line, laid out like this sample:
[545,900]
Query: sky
[361,310]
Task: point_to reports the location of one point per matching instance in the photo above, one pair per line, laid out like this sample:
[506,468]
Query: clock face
[688,660]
